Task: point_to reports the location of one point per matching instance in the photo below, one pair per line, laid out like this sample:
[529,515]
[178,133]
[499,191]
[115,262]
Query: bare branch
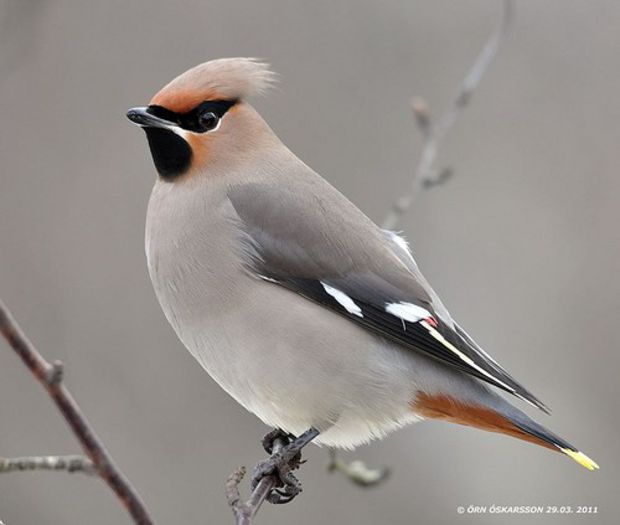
[67,463]
[245,511]
[426,175]
[231,489]
[50,376]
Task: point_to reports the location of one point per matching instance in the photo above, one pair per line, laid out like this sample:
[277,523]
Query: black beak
[143,118]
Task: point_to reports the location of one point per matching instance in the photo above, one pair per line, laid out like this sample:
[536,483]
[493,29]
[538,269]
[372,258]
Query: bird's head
[200,120]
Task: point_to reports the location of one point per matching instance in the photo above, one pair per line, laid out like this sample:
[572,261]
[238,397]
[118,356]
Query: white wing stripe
[343,299]
[407,311]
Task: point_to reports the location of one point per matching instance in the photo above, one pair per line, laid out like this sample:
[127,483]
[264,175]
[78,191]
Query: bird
[298,305]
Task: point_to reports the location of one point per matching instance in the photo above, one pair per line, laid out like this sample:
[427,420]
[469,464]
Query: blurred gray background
[522,244]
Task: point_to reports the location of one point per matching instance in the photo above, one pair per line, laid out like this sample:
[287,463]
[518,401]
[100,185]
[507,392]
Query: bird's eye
[208,121]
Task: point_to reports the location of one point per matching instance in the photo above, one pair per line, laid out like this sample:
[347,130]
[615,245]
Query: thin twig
[50,376]
[67,463]
[357,471]
[245,511]
[425,174]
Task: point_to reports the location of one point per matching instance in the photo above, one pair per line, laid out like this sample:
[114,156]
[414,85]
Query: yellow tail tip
[581,458]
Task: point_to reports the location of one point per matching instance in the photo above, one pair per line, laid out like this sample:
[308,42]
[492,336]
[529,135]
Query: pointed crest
[222,79]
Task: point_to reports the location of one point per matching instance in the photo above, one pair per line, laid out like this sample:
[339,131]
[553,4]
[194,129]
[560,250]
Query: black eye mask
[204,117]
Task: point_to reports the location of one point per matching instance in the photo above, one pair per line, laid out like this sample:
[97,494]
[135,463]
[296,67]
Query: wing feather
[371,278]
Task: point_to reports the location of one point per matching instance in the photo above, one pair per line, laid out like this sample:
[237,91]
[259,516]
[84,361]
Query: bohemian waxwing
[296,303]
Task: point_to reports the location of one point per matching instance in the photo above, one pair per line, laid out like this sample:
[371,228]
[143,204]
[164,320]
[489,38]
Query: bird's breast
[191,255]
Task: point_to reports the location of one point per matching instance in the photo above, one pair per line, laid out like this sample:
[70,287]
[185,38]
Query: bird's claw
[280,465]
[283,494]
[270,438]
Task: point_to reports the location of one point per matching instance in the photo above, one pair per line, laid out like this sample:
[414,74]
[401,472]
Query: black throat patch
[171,154]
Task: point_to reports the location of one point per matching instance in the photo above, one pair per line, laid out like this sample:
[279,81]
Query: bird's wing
[319,245]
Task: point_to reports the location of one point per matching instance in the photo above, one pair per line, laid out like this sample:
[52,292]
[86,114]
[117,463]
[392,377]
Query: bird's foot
[270,438]
[281,464]
[287,486]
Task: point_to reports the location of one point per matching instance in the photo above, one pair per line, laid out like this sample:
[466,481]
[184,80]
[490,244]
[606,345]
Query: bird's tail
[541,435]
[499,417]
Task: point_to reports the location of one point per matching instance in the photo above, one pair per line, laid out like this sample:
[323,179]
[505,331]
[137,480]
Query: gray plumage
[290,361]
[294,301]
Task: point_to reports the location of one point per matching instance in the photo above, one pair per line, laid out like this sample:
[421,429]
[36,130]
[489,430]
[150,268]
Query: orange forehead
[223,79]
[182,99]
